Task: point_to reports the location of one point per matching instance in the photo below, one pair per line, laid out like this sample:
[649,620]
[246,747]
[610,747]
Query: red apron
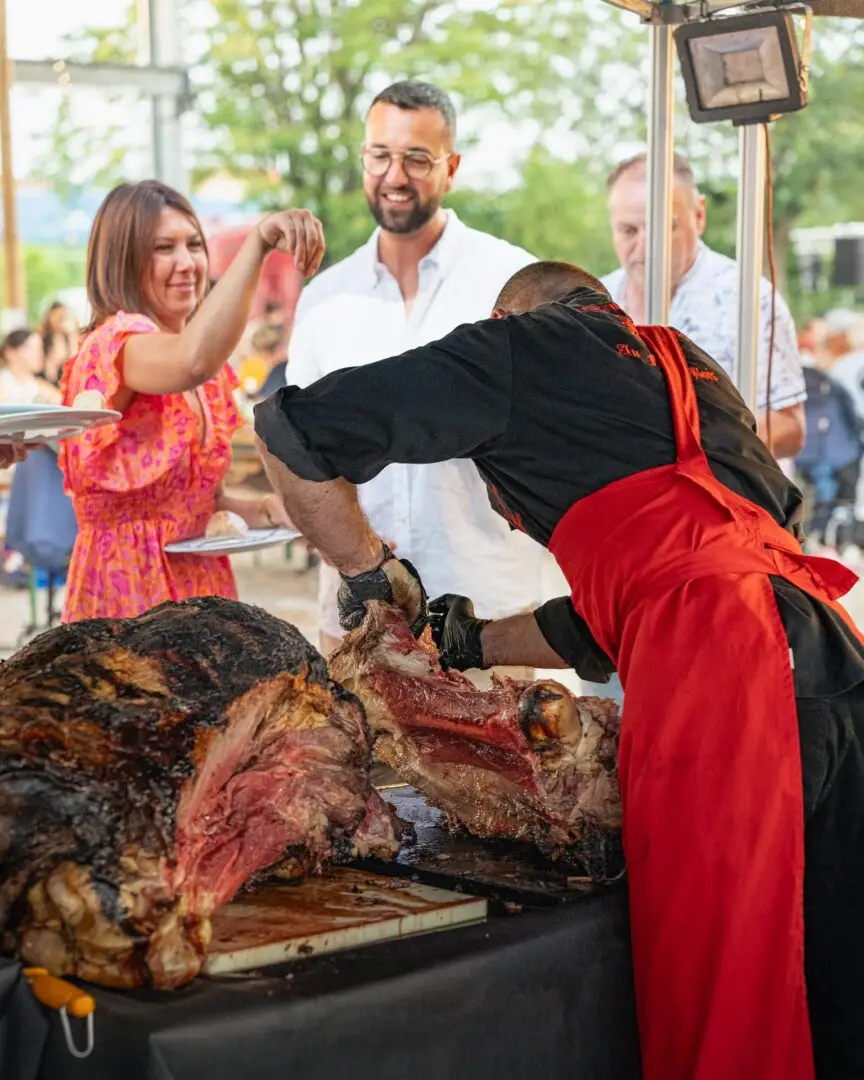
[670,570]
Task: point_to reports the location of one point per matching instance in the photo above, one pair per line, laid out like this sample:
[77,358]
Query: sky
[36,31]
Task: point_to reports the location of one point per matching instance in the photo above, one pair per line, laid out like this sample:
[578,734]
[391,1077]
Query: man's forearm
[518,642]
[788,430]
[327,514]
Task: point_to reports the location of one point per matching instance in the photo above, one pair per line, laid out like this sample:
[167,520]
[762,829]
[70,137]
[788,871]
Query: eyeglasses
[418,164]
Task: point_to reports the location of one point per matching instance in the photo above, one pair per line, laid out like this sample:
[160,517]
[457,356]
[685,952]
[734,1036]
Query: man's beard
[393,220]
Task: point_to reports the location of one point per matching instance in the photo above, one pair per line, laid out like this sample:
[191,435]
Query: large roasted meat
[522,761]
[150,767]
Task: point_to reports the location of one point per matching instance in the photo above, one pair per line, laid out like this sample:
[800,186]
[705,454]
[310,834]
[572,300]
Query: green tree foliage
[282,86]
[285,83]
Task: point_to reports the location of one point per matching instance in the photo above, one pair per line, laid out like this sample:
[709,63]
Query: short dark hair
[411,94]
[15,339]
[542,283]
[118,254]
[682,170]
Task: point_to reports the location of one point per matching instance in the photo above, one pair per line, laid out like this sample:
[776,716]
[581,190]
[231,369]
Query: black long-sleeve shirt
[551,406]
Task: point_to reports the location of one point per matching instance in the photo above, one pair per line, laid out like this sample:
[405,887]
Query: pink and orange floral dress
[149,480]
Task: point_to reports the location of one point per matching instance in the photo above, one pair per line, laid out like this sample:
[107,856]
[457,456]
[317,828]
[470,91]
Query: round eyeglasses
[418,164]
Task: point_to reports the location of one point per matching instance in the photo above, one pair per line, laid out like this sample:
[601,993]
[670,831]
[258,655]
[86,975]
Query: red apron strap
[663,343]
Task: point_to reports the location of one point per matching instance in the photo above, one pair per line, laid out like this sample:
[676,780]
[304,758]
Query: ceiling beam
[158,81]
[677,11]
[642,8]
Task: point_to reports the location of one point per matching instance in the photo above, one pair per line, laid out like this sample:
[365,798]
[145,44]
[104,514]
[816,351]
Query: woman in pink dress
[156,476]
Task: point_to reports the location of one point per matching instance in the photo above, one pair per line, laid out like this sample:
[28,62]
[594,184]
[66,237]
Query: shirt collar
[698,263]
[442,256]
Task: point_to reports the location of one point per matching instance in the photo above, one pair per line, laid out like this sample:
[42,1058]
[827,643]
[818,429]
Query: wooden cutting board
[341,909]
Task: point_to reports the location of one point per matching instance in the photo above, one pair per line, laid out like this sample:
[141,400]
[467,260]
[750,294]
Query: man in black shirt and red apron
[630,455]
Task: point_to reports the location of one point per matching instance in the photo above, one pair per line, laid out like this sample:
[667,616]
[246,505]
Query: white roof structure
[688,10]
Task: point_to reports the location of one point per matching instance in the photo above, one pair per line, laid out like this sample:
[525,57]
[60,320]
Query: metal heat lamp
[747,69]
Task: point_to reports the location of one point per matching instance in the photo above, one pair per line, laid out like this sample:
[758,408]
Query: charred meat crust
[137,749]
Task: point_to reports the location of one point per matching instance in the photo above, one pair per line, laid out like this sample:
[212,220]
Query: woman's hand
[11,454]
[274,514]
[266,512]
[298,233]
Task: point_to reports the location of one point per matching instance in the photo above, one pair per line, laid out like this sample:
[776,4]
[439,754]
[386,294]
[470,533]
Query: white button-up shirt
[705,307]
[438,515]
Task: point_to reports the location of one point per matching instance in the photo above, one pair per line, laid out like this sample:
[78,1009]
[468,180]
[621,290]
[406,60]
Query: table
[546,994]
[245,459]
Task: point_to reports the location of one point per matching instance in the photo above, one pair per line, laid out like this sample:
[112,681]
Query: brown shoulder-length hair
[118,254]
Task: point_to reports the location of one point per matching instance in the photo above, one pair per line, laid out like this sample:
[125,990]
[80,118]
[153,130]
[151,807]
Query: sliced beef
[523,761]
[150,767]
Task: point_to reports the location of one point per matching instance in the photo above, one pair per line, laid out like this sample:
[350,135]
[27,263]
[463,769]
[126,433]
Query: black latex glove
[393,581]
[456,631]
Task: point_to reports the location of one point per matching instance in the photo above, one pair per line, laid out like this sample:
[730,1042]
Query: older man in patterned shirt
[705,295]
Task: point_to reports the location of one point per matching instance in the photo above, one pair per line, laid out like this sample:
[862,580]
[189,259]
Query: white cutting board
[341,909]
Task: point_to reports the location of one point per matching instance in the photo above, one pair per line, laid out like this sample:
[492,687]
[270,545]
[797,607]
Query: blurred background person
[60,337]
[156,476]
[268,348]
[22,371]
[272,345]
[704,294]
[22,363]
[811,343]
[829,466]
[844,348]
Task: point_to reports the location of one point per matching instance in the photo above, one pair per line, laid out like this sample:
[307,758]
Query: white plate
[233,545]
[52,422]
[37,407]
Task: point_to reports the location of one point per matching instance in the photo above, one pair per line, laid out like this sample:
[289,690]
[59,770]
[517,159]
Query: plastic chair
[41,526]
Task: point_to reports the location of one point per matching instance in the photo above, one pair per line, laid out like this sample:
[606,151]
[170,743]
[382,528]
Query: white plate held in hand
[32,424]
[233,545]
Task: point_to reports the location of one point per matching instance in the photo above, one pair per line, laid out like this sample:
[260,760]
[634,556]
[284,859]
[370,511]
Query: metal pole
[749,251]
[145,57]
[167,132]
[13,277]
[661,129]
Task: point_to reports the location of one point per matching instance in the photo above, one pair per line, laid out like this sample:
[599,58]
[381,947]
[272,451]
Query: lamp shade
[744,69]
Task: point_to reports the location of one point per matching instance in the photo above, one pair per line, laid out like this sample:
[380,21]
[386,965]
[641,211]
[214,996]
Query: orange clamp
[59,994]
[68,1000]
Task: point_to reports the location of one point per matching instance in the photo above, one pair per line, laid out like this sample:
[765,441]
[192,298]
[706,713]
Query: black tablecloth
[546,994]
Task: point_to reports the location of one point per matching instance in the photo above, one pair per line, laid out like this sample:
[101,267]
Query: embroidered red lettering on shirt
[700,373]
[512,517]
[616,312]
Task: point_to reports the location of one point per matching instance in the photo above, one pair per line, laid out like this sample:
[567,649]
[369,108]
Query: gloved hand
[456,631]
[393,581]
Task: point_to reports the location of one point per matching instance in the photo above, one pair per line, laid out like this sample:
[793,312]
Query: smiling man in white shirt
[421,273]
